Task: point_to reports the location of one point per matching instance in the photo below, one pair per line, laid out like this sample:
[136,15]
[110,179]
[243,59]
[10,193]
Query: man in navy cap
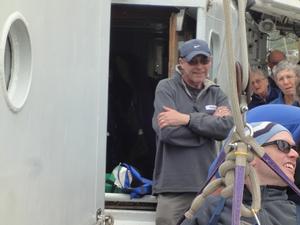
[191,112]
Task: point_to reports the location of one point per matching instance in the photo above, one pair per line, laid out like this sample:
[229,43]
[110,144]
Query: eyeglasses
[258,81]
[199,59]
[282,145]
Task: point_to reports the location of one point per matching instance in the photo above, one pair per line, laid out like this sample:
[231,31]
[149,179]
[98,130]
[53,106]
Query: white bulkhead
[58,59]
[53,146]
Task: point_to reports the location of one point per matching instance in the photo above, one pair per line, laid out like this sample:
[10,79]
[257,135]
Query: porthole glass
[7,63]
[15,61]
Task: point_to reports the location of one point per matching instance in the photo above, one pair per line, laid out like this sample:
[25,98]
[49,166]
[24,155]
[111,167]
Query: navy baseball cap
[194,47]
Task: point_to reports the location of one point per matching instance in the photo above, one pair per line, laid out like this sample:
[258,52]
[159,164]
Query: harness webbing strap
[238,193]
[216,215]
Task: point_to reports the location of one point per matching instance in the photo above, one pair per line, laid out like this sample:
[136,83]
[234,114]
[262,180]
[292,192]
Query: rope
[236,154]
[243,41]
[240,125]
[231,70]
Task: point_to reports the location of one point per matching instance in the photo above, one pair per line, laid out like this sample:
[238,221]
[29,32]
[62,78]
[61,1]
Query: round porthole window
[15,61]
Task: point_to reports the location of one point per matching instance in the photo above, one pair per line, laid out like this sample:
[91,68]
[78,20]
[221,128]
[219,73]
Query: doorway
[139,59]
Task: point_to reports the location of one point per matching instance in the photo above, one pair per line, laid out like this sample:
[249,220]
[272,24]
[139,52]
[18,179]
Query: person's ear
[180,61]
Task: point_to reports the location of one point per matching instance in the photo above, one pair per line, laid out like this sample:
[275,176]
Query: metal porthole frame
[15,33]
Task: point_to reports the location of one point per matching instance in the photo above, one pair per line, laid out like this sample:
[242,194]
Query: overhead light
[266,26]
[179,20]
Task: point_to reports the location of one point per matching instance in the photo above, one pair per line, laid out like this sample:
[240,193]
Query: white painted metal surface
[126,198]
[289,8]
[52,154]
[215,34]
[173,3]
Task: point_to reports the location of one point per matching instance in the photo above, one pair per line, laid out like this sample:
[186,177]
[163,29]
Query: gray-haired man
[191,112]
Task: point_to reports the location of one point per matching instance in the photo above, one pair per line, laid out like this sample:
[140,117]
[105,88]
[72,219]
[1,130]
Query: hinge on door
[209,5]
[103,219]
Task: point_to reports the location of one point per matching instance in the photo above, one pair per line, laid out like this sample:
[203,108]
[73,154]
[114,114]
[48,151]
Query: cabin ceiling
[151,18]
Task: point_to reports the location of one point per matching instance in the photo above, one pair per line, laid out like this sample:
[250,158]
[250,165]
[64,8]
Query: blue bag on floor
[131,181]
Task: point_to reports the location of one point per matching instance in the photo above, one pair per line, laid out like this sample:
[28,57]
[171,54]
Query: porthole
[15,61]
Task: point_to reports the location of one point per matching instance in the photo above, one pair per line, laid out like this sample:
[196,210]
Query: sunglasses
[199,59]
[282,145]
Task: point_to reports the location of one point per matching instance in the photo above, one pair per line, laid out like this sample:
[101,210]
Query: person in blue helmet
[289,117]
[286,115]
[276,209]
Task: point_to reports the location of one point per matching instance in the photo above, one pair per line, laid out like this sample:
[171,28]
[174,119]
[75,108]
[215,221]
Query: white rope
[243,41]
[255,216]
[231,70]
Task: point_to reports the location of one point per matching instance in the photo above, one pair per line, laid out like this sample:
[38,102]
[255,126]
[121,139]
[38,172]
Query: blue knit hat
[263,131]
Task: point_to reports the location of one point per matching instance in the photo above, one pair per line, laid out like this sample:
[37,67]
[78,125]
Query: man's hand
[222,111]
[171,117]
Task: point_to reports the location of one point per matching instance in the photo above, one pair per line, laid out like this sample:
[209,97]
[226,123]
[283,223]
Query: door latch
[103,219]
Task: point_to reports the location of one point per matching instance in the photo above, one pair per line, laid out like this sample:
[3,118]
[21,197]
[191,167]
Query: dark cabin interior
[139,59]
